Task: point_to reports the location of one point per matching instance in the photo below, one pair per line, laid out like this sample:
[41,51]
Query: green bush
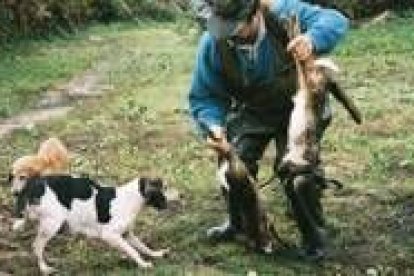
[356,9]
[33,17]
[38,17]
[124,9]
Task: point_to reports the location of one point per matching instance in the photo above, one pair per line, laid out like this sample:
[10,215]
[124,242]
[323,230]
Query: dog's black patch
[103,203]
[67,188]
[30,194]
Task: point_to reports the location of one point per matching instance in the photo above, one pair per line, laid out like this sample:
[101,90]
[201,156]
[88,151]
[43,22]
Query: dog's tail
[54,154]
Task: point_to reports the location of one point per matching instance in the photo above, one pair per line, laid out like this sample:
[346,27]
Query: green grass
[29,67]
[142,128]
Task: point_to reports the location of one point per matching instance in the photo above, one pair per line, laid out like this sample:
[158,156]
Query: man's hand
[301,46]
[217,140]
[265,3]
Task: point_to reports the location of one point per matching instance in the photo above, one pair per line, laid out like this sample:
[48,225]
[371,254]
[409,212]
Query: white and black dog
[85,207]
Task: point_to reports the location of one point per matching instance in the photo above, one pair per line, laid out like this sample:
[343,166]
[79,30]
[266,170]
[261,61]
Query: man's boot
[232,225]
[307,209]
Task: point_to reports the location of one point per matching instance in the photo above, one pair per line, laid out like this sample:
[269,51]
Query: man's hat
[223,17]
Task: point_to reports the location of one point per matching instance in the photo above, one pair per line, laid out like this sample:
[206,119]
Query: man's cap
[223,17]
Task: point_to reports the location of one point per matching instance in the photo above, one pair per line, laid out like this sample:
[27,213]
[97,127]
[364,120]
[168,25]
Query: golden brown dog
[51,158]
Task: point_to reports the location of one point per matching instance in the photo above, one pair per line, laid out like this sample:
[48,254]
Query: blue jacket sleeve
[324,26]
[208,100]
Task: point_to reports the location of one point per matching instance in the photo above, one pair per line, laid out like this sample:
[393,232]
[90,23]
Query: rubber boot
[232,225]
[307,211]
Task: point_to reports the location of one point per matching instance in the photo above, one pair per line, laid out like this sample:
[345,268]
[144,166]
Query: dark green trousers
[250,132]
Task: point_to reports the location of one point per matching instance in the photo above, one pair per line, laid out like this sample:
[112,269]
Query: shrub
[37,17]
[31,17]
[356,9]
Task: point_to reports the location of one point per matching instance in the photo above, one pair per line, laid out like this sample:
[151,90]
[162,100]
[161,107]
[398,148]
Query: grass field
[142,127]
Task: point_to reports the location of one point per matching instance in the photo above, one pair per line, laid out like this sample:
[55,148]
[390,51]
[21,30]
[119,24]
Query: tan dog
[51,158]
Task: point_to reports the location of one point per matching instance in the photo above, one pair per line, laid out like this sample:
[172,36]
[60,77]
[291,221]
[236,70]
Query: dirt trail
[57,102]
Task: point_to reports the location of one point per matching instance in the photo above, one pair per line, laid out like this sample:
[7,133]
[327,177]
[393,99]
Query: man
[242,86]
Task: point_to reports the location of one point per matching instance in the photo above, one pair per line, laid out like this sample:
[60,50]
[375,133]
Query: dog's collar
[141,184]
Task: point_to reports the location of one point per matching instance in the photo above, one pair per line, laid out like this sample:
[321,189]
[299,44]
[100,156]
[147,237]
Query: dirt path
[57,102]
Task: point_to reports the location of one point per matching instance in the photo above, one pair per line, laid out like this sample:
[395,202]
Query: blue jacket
[208,98]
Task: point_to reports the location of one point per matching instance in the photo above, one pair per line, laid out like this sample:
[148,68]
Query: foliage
[40,17]
[361,8]
[35,17]
[161,10]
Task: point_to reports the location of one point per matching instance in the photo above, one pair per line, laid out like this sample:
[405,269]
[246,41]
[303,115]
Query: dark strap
[228,58]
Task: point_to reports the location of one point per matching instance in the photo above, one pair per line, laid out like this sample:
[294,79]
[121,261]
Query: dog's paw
[161,253]
[18,225]
[47,270]
[146,265]
[268,248]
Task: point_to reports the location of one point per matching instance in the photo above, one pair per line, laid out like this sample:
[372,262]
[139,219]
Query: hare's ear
[327,65]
